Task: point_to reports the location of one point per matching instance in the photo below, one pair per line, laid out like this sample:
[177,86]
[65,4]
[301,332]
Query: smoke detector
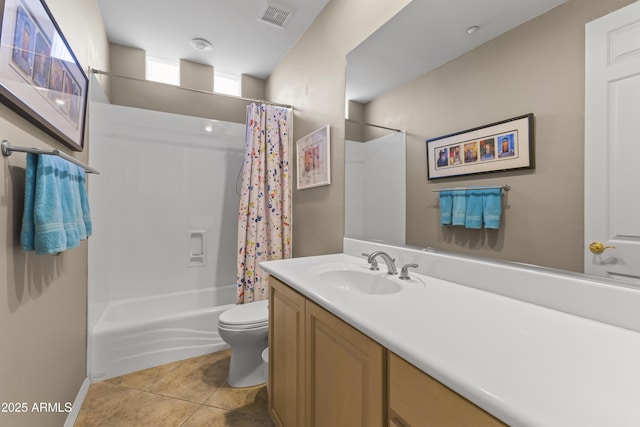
[201,44]
[275,15]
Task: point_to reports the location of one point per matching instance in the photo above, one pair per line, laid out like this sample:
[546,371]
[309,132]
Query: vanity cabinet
[286,385]
[416,399]
[345,373]
[322,371]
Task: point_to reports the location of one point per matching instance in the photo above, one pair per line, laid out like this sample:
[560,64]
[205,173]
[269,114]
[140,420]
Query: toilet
[245,328]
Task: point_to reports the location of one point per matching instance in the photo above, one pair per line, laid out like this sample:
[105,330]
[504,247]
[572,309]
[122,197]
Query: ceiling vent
[275,15]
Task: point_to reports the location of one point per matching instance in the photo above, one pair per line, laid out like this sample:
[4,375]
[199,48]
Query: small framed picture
[495,147]
[313,159]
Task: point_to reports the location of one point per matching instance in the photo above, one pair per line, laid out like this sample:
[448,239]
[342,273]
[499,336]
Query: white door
[612,145]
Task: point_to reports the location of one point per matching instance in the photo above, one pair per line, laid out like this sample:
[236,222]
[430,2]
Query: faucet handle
[373,262]
[404,271]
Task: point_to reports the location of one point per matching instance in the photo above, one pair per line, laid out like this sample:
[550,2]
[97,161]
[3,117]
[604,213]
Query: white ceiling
[241,43]
[427,34]
[423,36]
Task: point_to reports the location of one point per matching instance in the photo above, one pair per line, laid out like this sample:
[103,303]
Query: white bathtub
[139,333]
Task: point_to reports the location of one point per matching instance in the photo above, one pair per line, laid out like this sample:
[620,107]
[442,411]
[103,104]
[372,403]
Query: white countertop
[527,365]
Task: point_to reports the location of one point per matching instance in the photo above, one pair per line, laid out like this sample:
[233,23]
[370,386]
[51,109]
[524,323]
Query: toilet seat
[252,315]
[249,327]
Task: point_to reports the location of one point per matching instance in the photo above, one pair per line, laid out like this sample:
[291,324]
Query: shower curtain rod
[375,126]
[108,73]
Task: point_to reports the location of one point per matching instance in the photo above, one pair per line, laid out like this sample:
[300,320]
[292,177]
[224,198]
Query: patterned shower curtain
[264,218]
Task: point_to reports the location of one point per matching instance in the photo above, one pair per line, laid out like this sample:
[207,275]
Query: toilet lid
[254,313]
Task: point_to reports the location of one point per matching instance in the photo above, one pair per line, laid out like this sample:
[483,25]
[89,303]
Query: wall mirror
[416,40]
[422,37]
[375,196]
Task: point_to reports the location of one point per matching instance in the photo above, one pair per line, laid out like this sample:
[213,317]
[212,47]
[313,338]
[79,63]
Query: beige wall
[312,78]
[196,76]
[253,87]
[536,68]
[131,62]
[43,298]
[127,61]
[544,63]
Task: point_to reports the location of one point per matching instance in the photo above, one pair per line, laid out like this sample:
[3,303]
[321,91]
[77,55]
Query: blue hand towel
[446,205]
[27,233]
[474,209]
[56,210]
[84,202]
[492,207]
[459,210]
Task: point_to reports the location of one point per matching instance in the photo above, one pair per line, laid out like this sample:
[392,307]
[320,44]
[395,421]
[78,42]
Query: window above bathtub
[227,84]
[163,70]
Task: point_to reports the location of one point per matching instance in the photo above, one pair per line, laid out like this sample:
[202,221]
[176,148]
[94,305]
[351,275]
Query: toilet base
[246,369]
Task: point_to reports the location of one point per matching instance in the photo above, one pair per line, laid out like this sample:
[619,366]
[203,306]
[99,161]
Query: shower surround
[162,256]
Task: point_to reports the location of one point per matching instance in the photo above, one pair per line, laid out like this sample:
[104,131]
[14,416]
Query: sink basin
[360,281]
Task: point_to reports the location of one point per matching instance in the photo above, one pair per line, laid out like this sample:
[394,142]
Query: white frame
[313,159]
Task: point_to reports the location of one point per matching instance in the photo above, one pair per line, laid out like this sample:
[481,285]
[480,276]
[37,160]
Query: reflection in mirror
[427,103]
[375,174]
[426,34]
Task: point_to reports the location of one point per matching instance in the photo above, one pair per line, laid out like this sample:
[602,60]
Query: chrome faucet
[374,263]
[391,267]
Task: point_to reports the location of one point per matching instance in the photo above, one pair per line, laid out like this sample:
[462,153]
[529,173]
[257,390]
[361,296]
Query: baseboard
[77,404]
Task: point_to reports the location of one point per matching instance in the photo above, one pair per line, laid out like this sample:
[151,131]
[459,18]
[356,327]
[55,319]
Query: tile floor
[187,393]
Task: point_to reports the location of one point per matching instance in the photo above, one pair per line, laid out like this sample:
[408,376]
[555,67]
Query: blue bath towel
[84,202]
[28,232]
[446,205]
[459,210]
[492,207]
[56,210]
[473,218]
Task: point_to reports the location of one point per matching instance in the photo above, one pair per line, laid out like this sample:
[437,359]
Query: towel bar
[505,187]
[8,149]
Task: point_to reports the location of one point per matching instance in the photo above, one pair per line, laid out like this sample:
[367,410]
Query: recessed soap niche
[197,248]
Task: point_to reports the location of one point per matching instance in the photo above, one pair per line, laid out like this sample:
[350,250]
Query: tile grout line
[145,388]
[110,414]
[190,416]
[199,405]
[182,399]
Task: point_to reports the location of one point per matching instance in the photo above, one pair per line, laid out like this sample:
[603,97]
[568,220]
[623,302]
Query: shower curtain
[264,217]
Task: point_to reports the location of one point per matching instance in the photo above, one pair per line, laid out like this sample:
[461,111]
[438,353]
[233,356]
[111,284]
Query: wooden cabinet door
[286,355]
[417,400]
[345,373]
